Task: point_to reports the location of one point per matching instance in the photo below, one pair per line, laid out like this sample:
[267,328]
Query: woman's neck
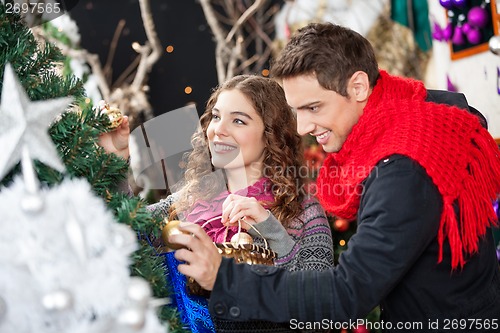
[241,178]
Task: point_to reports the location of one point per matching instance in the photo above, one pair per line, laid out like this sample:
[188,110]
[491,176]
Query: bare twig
[242,19]
[108,69]
[231,47]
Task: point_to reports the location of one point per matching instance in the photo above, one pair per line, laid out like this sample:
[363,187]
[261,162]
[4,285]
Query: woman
[247,167]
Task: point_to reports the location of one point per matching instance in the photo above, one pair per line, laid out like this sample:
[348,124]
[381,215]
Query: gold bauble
[242,238]
[113,113]
[171,228]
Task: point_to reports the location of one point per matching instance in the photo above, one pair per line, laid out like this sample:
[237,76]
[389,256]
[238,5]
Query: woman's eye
[215,117]
[239,121]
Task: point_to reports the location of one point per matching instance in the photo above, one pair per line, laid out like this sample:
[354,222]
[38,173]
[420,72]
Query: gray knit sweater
[306,244]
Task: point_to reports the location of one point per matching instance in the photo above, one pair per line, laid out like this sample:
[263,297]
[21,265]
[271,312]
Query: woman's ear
[359,86]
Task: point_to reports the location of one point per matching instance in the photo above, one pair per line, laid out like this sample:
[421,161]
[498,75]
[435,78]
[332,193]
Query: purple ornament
[459,3]
[451,86]
[448,4]
[448,31]
[458,36]
[498,254]
[478,17]
[466,27]
[474,36]
[437,32]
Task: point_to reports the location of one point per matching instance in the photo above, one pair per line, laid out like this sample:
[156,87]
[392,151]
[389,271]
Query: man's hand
[201,257]
[116,141]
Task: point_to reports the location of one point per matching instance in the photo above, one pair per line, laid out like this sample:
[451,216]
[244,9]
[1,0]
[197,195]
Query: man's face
[323,113]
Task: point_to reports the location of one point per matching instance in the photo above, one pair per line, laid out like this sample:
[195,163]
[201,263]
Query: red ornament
[341,225]
[314,156]
[361,329]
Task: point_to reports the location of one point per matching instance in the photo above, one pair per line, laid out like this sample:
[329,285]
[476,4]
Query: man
[420,179]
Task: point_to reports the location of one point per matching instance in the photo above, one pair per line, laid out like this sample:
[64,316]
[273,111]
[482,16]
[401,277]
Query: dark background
[180,23]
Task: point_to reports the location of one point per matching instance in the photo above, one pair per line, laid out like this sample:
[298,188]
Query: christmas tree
[59,180]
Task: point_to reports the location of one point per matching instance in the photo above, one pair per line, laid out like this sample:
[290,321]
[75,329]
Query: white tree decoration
[64,261]
[65,269]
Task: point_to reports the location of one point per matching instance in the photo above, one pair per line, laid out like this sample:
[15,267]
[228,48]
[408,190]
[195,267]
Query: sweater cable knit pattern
[458,154]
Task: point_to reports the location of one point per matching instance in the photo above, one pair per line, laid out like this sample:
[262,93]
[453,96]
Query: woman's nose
[221,128]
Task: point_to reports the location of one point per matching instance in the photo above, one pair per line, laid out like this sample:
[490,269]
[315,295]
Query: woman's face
[236,133]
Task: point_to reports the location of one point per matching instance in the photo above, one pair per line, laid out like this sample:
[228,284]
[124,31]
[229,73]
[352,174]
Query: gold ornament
[171,228]
[241,238]
[113,113]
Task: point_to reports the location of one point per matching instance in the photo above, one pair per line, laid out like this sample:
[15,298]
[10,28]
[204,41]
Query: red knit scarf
[459,155]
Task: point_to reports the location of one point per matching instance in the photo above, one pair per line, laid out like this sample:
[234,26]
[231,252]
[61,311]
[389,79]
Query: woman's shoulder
[164,205]
[312,212]
[310,201]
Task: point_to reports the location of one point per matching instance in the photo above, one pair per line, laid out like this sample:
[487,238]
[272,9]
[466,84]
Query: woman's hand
[116,141]
[237,207]
[201,257]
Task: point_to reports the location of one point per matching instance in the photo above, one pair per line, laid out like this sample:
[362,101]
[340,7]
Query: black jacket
[391,261]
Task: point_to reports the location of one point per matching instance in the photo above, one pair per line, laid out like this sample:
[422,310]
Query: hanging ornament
[360,329]
[494,45]
[466,27]
[478,16]
[448,4]
[458,36]
[448,31]
[241,238]
[450,85]
[171,228]
[139,291]
[341,225]
[59,300]
[114,115]
[132,316]
[26,122]
[459,3]
[473,36]
[437,32]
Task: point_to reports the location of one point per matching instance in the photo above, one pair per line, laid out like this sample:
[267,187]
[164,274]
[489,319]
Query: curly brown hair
[283,164]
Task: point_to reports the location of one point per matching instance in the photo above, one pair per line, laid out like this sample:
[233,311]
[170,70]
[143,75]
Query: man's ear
[359,86]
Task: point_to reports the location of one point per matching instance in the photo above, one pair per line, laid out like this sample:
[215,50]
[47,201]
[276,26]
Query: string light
[188,90]
[87,100]
[342,242]
[169,49]
[136,46]
[265,72]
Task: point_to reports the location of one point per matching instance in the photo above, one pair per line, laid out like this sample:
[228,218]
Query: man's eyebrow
[307,106]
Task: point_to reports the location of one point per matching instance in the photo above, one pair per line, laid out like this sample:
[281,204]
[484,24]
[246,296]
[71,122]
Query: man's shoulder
[455,99]
[395,164]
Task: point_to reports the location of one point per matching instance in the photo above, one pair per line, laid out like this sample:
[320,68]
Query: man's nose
[304,124]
